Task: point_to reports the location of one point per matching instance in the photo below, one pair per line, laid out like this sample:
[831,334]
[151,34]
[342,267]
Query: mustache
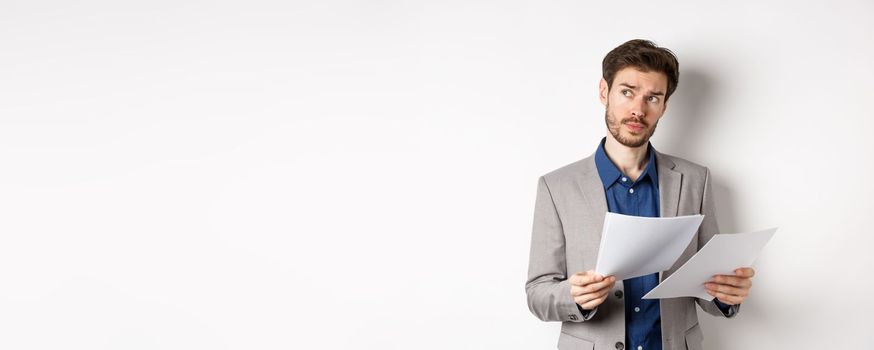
[635,120]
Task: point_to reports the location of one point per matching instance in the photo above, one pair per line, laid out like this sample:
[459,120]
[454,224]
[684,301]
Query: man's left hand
[731,289]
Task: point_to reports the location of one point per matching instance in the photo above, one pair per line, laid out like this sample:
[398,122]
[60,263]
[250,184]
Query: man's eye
[626,92]
[653,99]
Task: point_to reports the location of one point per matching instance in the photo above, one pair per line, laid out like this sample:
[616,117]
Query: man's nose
[638,107]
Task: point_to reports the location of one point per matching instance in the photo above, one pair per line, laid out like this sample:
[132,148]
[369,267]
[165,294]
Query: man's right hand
[590,289]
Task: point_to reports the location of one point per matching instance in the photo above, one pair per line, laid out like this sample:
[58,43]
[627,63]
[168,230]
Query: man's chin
[633,141]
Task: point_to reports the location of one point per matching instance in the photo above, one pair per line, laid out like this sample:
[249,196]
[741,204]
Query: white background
[361,174]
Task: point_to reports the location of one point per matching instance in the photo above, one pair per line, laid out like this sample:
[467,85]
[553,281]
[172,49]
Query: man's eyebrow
[654,93]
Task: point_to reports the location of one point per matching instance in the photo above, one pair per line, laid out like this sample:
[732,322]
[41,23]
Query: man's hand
[590,289]
[731,289]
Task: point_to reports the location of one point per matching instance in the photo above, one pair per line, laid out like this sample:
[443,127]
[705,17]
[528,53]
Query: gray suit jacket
[568,220]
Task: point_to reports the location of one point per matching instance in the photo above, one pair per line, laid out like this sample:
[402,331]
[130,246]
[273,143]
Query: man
[625,175]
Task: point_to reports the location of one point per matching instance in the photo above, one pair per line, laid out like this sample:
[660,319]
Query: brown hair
[643,55]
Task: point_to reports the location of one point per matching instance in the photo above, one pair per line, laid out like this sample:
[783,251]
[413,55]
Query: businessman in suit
[625,175]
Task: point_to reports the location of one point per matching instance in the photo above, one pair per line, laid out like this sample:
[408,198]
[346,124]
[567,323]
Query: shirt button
[639,347]
[619,345]
[636,309]
[624,179]
[631,190]
[618,294]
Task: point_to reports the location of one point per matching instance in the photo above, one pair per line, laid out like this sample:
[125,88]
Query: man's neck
[631,161]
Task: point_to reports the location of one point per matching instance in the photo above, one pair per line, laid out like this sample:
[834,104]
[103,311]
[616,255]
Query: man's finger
[740,282]
[726,298]
[592,287]
[589,301]
[594,303]
[747,272]
[584,278]
[726,289]
[596,286]
[602,298]
[585,298]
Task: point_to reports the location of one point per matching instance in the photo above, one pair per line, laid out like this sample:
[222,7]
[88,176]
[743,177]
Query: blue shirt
[639,198]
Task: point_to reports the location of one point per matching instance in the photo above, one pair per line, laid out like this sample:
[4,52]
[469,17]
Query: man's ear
[602,91]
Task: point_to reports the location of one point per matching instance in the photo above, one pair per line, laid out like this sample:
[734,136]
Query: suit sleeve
[708,229]
[547,286]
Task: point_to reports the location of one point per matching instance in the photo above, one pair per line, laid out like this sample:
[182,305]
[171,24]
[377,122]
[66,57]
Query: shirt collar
[609,173]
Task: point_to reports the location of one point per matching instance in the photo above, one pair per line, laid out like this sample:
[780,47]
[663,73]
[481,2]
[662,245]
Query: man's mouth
[634,127]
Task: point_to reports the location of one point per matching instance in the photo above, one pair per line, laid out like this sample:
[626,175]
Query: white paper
[633,246]
[720,256]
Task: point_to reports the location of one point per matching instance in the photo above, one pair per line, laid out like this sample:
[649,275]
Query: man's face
[634,105]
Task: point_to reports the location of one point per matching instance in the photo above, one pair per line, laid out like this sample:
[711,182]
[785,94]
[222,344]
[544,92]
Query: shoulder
[571,171]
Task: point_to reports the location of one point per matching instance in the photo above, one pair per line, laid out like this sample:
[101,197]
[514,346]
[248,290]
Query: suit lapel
[669,186]
[593,190]
[670,181]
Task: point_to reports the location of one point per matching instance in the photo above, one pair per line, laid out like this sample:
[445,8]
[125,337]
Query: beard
[632,141]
